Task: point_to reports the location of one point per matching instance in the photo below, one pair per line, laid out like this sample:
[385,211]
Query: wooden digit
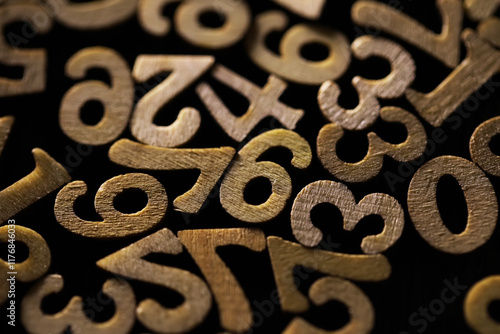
[479,146]
[479,194]
[285,256]
[129,262]
[305,8]
[392,86]
[245,168]
[149,13]
[480,9]
[361,311]
[264,102]
[72,316]
[210,161]
[115,224]
[117,98]
[290,65]
[184,71]
[444,46]
[234,307]
[477,302]
[372,163]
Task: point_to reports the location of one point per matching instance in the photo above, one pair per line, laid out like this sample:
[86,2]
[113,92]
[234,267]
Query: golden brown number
[479,146]
[72,316]
[33,61]
[234,308]
[480,9]
[129,262]
[392,86]
[150,17]
[115,224]
[285,256]
[210,161]
[372,163]
[245,168]
[117,99]
[290,64]
[264,102]
[479,194]
[184,70]
[445,47]
[339,195]
[477,302]
[310,9]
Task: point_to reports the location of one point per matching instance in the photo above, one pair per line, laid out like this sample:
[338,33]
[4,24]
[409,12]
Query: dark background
[418,269]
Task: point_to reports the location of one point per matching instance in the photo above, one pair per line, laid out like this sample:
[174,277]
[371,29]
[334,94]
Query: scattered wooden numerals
[476,305]
[479,146]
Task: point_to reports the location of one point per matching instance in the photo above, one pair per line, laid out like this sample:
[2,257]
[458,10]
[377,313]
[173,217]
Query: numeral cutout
[477,302]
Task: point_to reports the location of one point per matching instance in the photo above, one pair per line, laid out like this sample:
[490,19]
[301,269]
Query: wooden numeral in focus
[73,316]
[310,9]
[263,102]
[115,224]
[339,195]
[445,47]
[184,71]
[372,163]
[480,146]
[34,61]
[285,256]
[476,305]
[479,194]
[129,262]
[245,168]
[34,267]
[234,308]
[116,99]
[290,64]
[149,13]
[210,161]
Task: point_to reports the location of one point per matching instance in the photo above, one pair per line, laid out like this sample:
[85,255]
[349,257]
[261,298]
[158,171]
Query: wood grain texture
[285,256]
[149,13]
[489,29]
[32,268]
[245,168]
[310,9]
[359,306]
[444,46]
[129,262]
[476,305]
[184,70]
[481,63]
[117,99]
[115,224]
[370,166]
[479,146]
[392,86]
[234,308]
[237,19]
[482,205]
[211,162]
[290,65]
[339,195]
[480,9]
[33,61]
[92,15]
[264,102]
[36,321]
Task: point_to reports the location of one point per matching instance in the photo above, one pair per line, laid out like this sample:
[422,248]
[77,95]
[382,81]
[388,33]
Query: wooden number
[35,266]
[480,9]
[234,308]
[362,314]
[290,64]
[184,71]
[285,256]
[263,103]
[237,20]
[117,99]
[481,63]
[210,161]
[129,262]
[339,195]
[372,163]
[33,61]
[479,146]
[245,168]
[488,29]
[392,86]
[72,316]
[150,16]
[445,47]
[5,126]
[305,8]
[92,15]
[115,224]
[477,302]
[481,205]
